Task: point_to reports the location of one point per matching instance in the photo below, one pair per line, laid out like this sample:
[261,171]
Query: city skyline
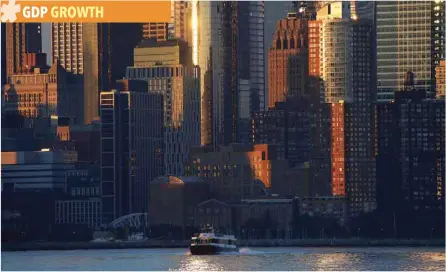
[333,109]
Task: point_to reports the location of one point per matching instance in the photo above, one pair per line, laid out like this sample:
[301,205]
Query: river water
[272,259]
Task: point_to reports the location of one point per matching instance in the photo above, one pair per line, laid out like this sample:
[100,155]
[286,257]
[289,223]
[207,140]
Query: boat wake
[241,251]
[248,251]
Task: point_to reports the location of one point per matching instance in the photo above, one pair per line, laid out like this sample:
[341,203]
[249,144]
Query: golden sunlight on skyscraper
[194,32]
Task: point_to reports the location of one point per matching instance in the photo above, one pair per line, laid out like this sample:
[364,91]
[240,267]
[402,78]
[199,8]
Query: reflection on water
[426,259]
[271,259]
[199,263]
[330,261]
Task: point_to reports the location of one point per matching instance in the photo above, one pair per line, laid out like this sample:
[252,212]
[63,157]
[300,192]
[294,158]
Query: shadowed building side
[131,144]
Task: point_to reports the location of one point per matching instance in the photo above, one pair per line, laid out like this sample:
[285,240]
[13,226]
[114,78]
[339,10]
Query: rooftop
[148,43]
[167,179]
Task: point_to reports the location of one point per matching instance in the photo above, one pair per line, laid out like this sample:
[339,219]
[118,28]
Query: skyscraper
[76,46]
[159,31]
[162,65]
[242,60]
[67,46]
[20,38]
[341,70]
[91,71]
[410,37]
[410,159]
[273,10]
[131,144]
[287,126]
[39,95]
[208,52]
[365,10]
[180,88]
[181,20]
[288,60]
[231,57]
[116,44]
[341,59]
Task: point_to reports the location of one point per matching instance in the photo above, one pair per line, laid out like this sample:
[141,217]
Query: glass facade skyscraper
[242,61]
[231,59]
[406,38]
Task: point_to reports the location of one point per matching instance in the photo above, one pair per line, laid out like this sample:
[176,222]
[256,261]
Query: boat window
[229,242]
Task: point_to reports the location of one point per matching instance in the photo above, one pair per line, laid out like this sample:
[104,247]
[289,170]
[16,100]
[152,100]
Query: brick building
[287,60]
[237,170]
[40,95]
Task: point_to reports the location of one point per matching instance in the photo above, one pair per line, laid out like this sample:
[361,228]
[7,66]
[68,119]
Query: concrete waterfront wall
[241,243]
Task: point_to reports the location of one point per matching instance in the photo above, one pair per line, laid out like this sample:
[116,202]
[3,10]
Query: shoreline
[37,246]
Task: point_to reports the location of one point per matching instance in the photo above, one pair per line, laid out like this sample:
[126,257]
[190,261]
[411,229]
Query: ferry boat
[209,242]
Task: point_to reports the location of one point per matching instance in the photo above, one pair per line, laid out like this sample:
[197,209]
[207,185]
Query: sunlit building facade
[180,88]
[341,70]
[76,46]
[158,31]
[288,60]
[237,170]
[208,59]
[20,39]
[410,37]
[440,80]
[41,94]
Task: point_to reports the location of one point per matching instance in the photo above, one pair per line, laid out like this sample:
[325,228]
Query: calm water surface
[272,259]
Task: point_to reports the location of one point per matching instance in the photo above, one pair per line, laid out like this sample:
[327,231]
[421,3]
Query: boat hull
[209,249]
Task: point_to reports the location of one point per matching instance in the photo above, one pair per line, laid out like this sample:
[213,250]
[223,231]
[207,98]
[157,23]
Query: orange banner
[56,11]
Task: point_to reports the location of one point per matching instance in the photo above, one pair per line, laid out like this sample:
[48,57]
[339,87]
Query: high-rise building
[273,10]
[150,52]
[91,70]
[288,60]
[410,37]
[131,147]
[180,26]
[207,52]
[3,52]
[67,46]
[20,38]
[287,126]
[167,68]
[335,28]
[180,87]
[116,44]
[352,157]
[410,158]
[158,31]
[242,61]
[76,46]
[341,74]
[39,95]
[365,10]
[440,79]
[98,52]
